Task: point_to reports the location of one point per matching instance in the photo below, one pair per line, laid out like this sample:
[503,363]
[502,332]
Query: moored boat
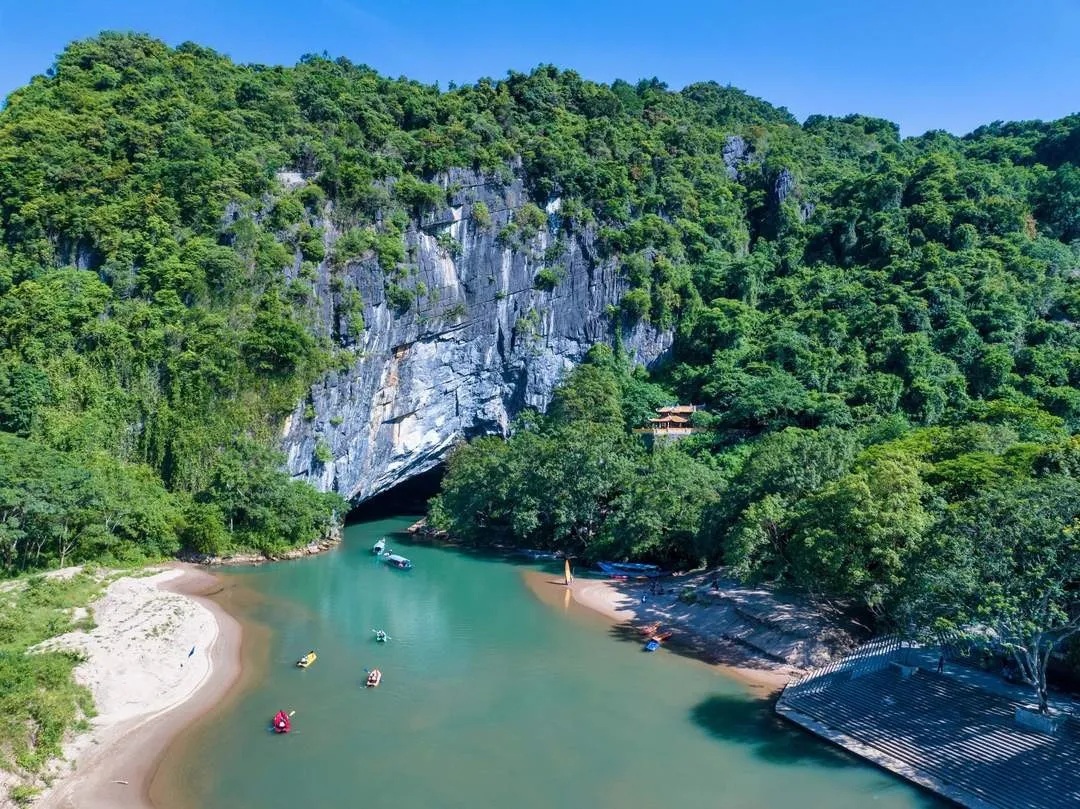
[379,546]
[400,562]
[374,678]
[628,569]
[539,555]
[656,639]
[282,723]
[307,660]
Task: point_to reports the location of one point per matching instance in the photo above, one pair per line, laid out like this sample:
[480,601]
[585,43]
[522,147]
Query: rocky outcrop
[736,151]
[482,340]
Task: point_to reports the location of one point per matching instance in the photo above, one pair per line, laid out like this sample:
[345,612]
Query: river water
[490,698]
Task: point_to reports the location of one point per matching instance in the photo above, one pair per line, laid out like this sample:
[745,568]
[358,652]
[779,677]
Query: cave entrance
[408,497]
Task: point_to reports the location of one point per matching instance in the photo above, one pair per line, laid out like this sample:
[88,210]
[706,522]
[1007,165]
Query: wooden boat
[663,636]
[379,546]
[374,678]
[307,660]
[282,723]
[381,636]
[650,629]
[399,562]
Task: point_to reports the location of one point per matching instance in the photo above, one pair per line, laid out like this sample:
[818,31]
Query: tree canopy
[881,330]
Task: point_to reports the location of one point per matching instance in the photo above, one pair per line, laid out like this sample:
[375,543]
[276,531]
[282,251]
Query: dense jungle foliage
[881,330]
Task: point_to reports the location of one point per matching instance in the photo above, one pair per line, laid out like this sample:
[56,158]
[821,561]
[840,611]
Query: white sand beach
[159,655]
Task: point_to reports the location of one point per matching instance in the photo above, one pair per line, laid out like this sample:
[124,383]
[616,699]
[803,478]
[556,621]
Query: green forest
[882,331]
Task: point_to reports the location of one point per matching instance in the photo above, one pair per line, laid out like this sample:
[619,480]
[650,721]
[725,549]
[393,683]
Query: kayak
[652,645]
[282,723]
[306,660]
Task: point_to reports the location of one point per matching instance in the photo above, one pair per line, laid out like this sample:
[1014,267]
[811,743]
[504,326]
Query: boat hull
[305,661]
[628,569]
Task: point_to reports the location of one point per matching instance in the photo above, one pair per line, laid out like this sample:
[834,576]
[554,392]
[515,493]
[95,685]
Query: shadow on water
[715,652]
[754,724]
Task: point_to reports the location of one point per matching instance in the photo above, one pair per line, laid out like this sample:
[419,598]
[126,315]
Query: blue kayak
[652,645]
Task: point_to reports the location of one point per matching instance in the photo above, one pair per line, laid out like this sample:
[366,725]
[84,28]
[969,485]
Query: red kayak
[282,724]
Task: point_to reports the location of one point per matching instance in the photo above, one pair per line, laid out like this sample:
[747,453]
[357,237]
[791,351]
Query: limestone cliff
[479,343]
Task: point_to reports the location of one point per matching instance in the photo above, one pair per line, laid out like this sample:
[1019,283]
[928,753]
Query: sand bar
[161,654]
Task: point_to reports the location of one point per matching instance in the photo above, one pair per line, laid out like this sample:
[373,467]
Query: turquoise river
[491,697]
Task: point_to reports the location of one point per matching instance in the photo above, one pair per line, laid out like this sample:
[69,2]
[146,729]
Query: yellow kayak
[306,660]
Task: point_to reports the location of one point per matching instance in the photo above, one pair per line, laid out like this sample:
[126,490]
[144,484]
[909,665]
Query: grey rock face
[784,185]
[479,344]
[735,153]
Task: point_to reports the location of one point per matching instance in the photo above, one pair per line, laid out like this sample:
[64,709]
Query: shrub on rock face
[635,304]
[547,279]
[481,215]
[530,219]
[399,298]
[419,195]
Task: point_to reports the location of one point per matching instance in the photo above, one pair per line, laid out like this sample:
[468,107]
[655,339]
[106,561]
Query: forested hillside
[881,330]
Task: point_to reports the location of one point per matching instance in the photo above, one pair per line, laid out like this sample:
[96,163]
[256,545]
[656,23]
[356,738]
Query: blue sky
[947,64]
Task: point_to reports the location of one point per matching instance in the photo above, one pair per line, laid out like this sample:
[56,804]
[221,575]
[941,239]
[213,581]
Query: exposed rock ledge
[480,344]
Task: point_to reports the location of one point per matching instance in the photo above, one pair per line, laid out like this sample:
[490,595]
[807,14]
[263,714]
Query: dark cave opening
[408,497]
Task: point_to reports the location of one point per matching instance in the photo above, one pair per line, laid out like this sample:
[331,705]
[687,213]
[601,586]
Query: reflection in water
[490,697]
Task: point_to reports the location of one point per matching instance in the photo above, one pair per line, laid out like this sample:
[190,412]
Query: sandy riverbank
[161,654]
[700,631]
